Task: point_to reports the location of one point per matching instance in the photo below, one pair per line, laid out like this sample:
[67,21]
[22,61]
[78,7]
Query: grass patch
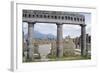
[70,58]
[64,58]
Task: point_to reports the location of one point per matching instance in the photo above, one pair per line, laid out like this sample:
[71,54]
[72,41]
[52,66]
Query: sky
[68,30]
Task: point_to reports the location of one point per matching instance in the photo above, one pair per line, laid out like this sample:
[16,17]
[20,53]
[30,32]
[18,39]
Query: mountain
[39,35]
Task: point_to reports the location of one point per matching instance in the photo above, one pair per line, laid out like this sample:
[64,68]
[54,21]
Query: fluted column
[30,41]
[59,40]
[83,39]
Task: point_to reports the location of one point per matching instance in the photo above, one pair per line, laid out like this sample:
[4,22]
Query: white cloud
[88,29]
[71,30]
[46,28]
[25,27]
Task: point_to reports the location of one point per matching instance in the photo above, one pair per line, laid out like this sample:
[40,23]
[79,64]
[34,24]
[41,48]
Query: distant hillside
[39,35]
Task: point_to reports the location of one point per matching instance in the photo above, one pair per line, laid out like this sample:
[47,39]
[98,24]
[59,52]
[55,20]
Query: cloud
[71,30]
[88,29]
[25,27]
[46,28]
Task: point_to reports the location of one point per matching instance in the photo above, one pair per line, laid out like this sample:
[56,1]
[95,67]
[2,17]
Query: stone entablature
[53,16]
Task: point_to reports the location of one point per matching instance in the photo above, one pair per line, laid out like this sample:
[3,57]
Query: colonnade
[59,41]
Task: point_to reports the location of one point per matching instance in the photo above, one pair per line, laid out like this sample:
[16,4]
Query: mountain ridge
[39,35]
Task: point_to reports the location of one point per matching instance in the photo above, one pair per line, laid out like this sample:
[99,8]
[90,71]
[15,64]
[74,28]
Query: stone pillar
[87,44]
[30,41]
[59,40]
[83,39]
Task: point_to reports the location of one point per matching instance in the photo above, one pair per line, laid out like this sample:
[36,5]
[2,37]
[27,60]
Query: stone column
[30,41]
[83,39]
[59,40]
[87,44]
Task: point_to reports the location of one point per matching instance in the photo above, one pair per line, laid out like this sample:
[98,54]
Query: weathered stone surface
[83,40]
[69,47]
[59,40]
[44,50]
[30,42]
[53,17]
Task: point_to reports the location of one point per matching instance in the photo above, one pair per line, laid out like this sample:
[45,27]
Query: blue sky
[68,30]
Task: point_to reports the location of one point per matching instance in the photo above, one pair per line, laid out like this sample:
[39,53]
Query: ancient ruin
[59,18]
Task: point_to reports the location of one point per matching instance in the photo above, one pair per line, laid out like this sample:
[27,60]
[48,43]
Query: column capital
[31,22]
[59,24]
[82,25]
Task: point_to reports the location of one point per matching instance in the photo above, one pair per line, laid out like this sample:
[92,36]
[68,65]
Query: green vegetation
[67,58]
[64,58]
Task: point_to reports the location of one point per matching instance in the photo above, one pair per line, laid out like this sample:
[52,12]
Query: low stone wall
[68,46]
